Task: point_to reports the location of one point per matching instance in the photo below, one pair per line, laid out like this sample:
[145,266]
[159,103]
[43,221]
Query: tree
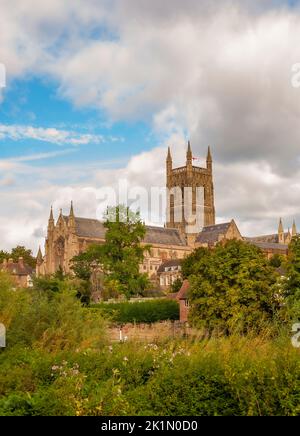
[16,253]
[121,255]
[233,288]
[292,280]
[176,286]
[189,264]
[276,261]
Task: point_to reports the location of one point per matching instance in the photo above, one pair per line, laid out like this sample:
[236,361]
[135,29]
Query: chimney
[21,262]
[4,264]
[10,261]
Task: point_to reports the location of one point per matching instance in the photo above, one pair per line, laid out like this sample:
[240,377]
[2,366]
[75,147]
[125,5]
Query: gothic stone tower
[191,188]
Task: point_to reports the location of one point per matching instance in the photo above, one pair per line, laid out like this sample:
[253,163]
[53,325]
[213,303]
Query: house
[169,272]
[183,298]
[21,273]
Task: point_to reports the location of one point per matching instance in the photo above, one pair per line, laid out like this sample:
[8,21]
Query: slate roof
[270,246]
[183,293]
[90,228]
[94,229]
[162,235]
[169,264]
[266,238]
[210,234]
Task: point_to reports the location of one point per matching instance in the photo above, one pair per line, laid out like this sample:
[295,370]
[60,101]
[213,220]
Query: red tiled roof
[183,292]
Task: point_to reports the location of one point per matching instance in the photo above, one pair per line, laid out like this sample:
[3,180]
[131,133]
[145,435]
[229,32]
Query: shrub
[144,312]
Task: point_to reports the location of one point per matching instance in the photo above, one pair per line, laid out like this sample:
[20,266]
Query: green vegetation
[233,289]
[58,361]
[119,257]
[147,312]
[18,252]
[59,358]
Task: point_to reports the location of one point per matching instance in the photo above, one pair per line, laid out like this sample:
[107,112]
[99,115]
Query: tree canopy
[233,288]
[16,253]
[120,256]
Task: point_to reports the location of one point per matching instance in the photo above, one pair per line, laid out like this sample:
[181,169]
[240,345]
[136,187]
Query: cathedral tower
[190,198]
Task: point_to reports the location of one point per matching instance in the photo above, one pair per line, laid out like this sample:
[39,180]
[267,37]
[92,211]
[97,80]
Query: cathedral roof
[164,236]
[270,245]
[94,229]
[273,239]
[210,234]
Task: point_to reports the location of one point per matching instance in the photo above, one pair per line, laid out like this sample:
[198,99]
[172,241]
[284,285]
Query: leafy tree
[276,261]
[292,280]
[4,255]
[16,253]
[233,289]
[176,286]
[189,264]
[121,254]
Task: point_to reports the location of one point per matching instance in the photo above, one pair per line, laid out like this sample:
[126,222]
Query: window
[186,303]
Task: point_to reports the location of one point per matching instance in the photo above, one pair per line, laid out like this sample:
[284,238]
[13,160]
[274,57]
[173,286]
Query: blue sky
[97,90]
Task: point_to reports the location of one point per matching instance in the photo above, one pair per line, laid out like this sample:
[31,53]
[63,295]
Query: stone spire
[39,259]
[169,164]
[294,229]
[72,217]
[51,223]
[209,159]
[189,160]
[281,232]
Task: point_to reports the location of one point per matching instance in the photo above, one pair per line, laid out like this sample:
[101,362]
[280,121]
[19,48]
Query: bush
[145,312]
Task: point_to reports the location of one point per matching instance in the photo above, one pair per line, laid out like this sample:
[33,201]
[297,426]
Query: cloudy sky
[97,89]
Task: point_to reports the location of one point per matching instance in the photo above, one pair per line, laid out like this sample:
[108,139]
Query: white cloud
[219,74]
[51,135]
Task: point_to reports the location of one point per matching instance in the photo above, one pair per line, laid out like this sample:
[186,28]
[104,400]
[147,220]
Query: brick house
[183,298]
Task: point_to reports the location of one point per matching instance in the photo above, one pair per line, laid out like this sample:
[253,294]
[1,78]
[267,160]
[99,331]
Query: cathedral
[71,235]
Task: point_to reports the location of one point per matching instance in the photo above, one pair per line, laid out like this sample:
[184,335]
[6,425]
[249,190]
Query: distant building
[184,302]
[168,273]
[20,272]
[71,235]
[212,235]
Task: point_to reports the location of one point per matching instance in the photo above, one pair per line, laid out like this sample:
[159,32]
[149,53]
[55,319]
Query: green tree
[121,254]
[16,253]
[233,289]
[292,280]
[189,264]
[276,261]
[176,286]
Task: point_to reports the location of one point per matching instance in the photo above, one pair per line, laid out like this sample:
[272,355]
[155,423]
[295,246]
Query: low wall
[151,332]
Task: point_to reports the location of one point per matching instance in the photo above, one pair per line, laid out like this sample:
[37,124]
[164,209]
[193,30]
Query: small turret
[189,155]
[169,163]
[71,222]
[281,232]
[294,229]
[209,160]
[51,223]
[39,258]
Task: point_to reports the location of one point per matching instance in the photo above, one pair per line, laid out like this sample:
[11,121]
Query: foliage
[48,320]
[60,281]
[147,312]
[121,254]
[176,286]
[233,289]
[18,252]
[292,281]
[190,262]
[277,260]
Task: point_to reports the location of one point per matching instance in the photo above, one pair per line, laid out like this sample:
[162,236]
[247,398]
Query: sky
[96,90]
